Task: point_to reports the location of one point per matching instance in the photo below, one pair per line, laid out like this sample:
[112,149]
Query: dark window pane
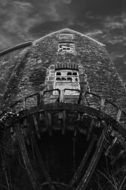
[74,73]
[69,79]
[58,78]
[58,73]
[69,73]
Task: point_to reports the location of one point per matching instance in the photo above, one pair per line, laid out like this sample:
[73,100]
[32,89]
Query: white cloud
[18,17]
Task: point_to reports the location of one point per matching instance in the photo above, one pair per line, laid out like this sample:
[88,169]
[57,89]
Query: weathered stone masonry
[99,72]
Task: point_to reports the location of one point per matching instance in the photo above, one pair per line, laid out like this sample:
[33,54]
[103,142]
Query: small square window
[66,47]
[58,73]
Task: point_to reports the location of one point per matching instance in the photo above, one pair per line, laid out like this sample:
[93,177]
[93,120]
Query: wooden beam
[90,129]
[102,104]
[80,168]
[94,161]
[118,115]
[26,160]
[5,170]
[36,125]
[42,165]
[48,122]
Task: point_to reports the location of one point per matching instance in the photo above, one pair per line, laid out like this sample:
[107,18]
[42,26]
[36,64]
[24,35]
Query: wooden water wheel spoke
[82,164]
[90,129]
[58,184]
[5,170]
[93,163]
[41,162]
[24,153]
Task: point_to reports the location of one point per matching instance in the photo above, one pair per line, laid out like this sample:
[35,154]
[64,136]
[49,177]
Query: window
[69,73]
[75,73]
[58,79]
[66,36]
[67,79]
[66,47]
[58,73]
[63,79]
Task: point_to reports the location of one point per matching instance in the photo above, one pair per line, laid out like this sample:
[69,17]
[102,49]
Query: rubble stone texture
[24,72]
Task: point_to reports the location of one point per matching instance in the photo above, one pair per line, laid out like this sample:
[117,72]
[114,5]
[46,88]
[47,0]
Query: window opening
[67,79]
[63,78]
[69,73]
[58,73]
[58,78]
[66,36]
[66,47]
[74,73]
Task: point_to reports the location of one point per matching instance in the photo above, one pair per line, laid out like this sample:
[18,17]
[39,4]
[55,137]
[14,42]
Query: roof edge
[69,30]
[19,46]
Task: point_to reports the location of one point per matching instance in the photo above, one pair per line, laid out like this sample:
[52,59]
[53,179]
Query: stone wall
[100,75]
[8,68]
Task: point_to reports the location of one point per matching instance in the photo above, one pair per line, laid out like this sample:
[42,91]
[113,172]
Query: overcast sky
[26,19]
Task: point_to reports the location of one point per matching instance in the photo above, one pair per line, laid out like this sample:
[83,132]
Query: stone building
[25,71]
[69,72]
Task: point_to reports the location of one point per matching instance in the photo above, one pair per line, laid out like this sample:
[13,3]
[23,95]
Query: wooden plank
[102,104]
[80,168]
[42,165]
[25,157]
[36,125]
[94,161]
[90,129]
[118,115]
[48,122]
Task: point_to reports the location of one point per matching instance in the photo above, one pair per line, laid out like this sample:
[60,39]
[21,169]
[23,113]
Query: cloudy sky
[104,20]
[28,19]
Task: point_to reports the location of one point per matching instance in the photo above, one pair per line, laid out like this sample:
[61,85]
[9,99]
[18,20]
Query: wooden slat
[36,126]
[90,129]
[48,122]
[42,165]
[25,157]
[102,104]
[118,115]
[80,168]
[94,161]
